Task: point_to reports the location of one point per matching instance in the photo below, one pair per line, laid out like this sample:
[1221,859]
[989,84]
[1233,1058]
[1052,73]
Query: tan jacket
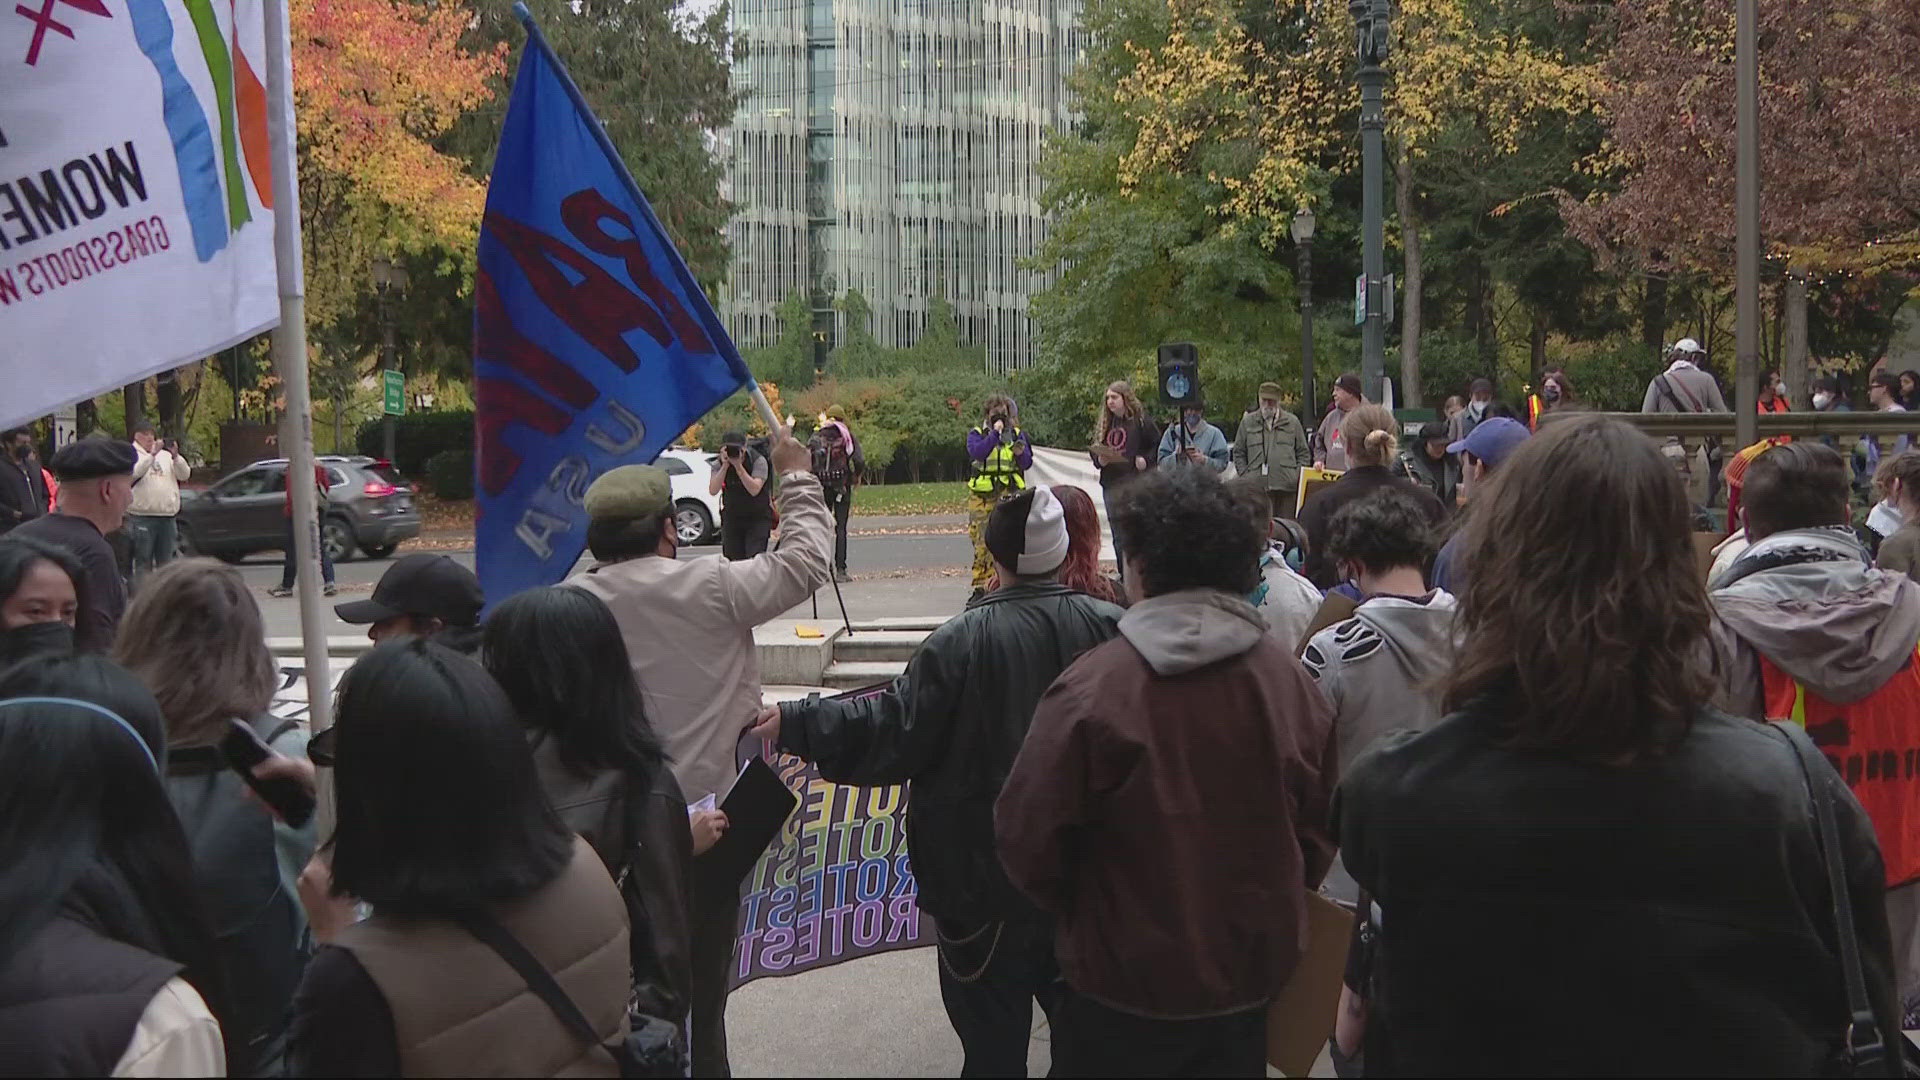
[459,1009]
[688,625]
[157,477]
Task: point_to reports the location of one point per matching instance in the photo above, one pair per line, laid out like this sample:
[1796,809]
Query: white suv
[696,514]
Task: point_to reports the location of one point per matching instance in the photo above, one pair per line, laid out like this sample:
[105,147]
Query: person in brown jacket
[1169,807]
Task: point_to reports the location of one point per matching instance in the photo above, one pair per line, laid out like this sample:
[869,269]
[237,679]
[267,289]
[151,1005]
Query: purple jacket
[981,441]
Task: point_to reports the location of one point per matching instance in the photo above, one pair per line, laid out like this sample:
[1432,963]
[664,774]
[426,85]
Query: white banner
[136,231]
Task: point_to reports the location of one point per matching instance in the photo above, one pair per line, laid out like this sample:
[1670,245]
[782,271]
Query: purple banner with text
[835,885]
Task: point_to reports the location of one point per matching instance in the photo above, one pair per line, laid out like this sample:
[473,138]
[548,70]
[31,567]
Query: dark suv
[369,508]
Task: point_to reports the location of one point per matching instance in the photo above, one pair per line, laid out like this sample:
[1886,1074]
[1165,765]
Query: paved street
[931,565]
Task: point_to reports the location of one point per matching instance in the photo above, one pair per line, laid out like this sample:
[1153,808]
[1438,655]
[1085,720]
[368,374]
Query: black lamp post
[389,279]
[1370,22]
[1303,243]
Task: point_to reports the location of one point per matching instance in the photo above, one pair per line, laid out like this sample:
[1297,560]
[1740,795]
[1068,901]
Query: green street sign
[395,385]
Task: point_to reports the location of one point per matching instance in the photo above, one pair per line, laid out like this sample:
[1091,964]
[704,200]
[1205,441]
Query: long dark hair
[1584,621]
[86,831]
[439,806]
[558,654]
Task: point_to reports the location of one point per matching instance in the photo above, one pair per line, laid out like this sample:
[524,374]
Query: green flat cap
[1270,390]
[630,491]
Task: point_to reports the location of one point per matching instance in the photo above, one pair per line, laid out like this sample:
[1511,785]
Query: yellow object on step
[806,631]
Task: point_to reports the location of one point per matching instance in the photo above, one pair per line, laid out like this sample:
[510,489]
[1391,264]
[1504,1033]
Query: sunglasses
[320,747]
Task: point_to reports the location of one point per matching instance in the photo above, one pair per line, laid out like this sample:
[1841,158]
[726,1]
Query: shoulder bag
[1865,1050]
[646,1052]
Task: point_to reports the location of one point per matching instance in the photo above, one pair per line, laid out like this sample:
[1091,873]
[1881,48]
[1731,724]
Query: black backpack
[259,929]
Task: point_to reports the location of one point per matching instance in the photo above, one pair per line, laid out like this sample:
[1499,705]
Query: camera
[730,451]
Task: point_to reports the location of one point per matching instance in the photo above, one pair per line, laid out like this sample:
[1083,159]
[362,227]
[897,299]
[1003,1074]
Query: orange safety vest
[1779,406]
[1875,745]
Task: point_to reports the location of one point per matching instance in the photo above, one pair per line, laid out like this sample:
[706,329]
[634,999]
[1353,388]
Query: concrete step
[904,622]
[853,674]
[890,646]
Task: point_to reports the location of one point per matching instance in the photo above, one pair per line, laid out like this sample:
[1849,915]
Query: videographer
[1001,456]
[158,471]
[746,506]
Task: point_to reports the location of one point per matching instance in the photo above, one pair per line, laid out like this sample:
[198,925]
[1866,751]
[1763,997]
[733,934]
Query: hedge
[417,437]
[450,474]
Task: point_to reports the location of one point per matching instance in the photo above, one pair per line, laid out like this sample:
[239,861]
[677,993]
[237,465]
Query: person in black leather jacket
[952,725]
[1586,869]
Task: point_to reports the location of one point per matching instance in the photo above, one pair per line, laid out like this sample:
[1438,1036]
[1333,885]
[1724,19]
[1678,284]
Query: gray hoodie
[1377,668]
[1184,631]
[1811,601]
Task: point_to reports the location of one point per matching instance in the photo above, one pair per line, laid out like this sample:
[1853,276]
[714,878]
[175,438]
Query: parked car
[696,514]
[369,509]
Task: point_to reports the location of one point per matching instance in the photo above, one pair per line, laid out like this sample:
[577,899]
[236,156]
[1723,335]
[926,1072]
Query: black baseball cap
[420,584]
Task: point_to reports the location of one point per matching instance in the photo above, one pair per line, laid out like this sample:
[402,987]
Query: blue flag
[593,347]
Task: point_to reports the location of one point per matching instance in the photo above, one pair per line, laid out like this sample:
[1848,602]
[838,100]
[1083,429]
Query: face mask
[23,452]
[35,639]
[1477,410]
[1821,400]
[1194,422]
[1551,392]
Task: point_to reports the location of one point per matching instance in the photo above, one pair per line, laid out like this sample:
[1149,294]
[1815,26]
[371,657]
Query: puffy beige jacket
[688,624]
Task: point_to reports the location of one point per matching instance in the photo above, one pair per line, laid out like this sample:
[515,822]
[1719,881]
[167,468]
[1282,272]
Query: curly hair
[1368,432]
[1584,622]
[1187,530]
[1385,530]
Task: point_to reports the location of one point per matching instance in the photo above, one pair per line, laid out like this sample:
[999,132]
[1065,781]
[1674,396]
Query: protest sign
[836,884]
[136,193]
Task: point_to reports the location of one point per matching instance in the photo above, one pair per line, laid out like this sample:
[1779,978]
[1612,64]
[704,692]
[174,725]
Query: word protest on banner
[136,192]
[835,885]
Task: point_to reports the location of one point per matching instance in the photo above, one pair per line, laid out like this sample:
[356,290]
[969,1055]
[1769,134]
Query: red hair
[1081,571]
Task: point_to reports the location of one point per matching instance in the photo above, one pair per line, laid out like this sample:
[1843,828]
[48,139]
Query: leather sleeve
[889,737]
[663,976]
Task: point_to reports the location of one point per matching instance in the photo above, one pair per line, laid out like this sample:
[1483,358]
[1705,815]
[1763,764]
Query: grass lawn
[942,497]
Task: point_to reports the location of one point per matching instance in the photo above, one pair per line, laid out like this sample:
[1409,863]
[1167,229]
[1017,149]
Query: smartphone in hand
[243,750]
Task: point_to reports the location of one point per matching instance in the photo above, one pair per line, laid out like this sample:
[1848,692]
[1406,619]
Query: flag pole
[537,40]
[290,360]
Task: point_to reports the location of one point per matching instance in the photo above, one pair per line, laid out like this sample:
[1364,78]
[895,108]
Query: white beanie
[1035,545]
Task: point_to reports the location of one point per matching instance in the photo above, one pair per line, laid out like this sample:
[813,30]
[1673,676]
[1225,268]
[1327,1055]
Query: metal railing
[1844,425]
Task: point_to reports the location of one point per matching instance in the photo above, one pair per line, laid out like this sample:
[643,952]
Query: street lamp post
[1370,21]
[389,278]
[1303,241]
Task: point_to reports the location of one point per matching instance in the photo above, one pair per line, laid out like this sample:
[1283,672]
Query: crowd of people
[1555,774]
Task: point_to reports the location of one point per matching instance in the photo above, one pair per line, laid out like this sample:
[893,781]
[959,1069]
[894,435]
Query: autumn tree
[656,78]
[1262,105]
[1839,111]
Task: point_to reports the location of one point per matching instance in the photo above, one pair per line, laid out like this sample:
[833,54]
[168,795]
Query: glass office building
[893,146]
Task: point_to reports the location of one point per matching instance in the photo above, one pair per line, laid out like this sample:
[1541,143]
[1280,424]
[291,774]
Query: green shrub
[450,474]
[417,437]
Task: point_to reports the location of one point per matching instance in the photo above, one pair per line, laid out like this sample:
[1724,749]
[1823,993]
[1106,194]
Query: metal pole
[1309,402]
[1370,28]
[388,354]
[1746,371]
[290,358]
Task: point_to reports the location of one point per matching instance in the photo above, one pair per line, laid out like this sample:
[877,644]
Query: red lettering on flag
[499,341]
[499,404]
[583,211]
[597,307]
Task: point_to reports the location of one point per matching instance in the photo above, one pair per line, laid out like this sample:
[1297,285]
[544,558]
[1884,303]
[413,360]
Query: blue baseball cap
[1492,441]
